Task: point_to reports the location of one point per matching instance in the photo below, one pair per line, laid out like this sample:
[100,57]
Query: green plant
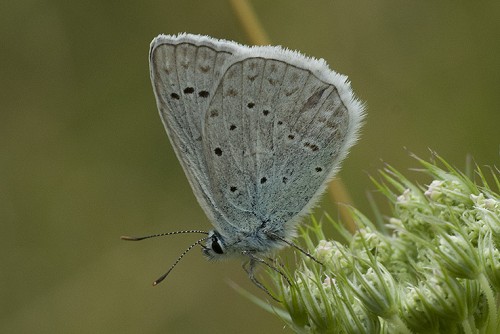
[433,268]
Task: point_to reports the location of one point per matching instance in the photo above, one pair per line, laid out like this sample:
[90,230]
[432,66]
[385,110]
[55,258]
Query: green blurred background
[84,156]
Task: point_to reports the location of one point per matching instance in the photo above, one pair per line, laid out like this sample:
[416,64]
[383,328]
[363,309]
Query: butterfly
[259,131]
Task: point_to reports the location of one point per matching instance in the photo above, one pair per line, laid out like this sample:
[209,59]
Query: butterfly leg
[249,268]
[289,243]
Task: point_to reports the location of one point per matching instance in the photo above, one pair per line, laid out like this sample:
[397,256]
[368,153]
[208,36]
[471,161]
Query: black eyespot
[263,180]
[233,189]
[188,90]
[203,93]
[232,127]
[218,151]
[319,169]
[250,105]
[216,246]
[265,112]
[175,96]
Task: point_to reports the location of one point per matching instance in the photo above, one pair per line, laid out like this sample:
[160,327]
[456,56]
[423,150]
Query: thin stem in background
[250,22]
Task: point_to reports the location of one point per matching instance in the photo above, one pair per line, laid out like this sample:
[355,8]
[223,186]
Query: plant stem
[492,307]
[250,22]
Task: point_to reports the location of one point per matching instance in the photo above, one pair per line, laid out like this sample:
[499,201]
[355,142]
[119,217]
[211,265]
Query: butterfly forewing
[184,72]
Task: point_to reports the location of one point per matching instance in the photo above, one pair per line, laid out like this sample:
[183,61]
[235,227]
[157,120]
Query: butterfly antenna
[162,277]
[124,237]
[303,251]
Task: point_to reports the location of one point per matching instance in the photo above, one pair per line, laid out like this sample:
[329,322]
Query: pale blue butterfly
[259,132]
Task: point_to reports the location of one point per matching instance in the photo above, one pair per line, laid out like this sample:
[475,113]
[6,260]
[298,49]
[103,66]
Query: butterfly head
[262,241]
[214,247]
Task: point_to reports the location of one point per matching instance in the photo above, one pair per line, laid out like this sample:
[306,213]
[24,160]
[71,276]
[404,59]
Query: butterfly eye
[216,247]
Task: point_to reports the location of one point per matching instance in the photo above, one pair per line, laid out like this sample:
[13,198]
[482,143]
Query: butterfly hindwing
[274,134]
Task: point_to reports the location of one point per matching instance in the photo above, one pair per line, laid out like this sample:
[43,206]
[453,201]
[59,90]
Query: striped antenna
[127,238]
[162,277]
